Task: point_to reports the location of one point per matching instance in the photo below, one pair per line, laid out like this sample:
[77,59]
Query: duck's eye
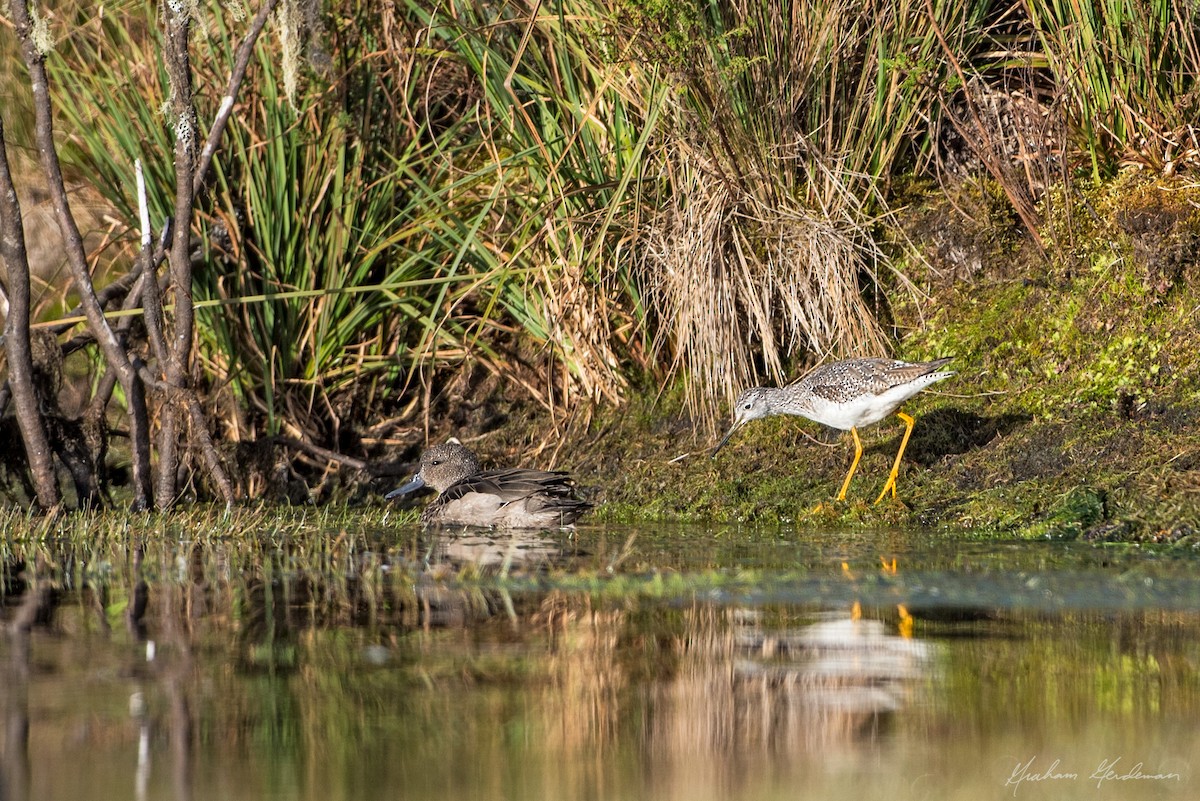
[435,462]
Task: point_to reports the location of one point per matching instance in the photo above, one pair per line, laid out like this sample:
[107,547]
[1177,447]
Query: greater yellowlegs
[508,498]
[845,395]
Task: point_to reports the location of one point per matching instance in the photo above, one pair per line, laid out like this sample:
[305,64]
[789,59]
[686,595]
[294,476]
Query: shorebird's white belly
[863,410]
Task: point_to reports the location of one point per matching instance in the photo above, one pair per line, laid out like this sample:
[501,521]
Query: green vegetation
[1126,72]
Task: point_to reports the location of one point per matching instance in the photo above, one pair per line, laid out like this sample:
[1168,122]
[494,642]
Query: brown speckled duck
[507,498]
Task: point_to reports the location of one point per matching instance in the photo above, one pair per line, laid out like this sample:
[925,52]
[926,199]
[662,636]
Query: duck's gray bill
[724,439]
[414,483]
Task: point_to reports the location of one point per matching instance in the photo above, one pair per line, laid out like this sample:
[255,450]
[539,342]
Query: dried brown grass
[747,286]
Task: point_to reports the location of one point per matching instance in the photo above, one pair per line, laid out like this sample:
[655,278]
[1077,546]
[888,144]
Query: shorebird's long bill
[736,425]
[414,483]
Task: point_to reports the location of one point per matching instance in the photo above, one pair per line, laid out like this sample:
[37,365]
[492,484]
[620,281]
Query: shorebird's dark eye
[435,462]
[747,406]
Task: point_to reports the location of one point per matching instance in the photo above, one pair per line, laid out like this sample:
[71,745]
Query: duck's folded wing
[512,484]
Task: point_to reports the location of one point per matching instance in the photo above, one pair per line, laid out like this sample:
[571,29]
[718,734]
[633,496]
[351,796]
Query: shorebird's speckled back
[857,392]
[842,382]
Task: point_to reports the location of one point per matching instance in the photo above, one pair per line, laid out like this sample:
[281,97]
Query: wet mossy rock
[1092,357]
[1164,231]
[965,232]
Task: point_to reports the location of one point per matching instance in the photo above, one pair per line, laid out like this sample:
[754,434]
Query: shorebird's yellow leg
[906,622]
[891,482]
[853,465]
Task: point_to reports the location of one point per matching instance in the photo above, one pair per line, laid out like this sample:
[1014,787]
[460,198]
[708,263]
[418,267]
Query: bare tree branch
[16,338]
[177,355]
[113,352]
[171,349]
[241,63]
[190,172]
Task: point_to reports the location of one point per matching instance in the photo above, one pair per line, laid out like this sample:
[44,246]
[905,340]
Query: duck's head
[441,467]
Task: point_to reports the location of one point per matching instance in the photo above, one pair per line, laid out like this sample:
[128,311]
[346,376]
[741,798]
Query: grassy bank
[1075,411]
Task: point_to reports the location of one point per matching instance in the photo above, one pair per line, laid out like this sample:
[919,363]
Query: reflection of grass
[280,571]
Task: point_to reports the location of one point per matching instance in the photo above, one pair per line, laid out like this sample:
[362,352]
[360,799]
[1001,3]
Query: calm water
[674,663]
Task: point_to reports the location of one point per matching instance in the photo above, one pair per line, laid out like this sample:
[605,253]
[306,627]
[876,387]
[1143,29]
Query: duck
[507,498]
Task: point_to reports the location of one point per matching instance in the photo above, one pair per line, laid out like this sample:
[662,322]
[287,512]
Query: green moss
[1072,514]
[1095,360]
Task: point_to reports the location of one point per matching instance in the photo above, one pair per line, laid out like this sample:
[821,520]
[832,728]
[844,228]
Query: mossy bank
[1075,411]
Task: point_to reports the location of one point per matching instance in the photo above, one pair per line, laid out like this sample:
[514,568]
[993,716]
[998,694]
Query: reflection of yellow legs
[904,627]
[853,465]
[891,482]
[906,622]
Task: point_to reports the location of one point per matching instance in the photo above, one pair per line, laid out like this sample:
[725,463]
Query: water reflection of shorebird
[507,498]
[744,686]
[845,395]
[853,664]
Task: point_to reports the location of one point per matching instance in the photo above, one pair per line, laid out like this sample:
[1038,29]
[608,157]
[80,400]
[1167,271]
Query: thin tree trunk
[114,353]
[177,358]
[16,338]
[190,170]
